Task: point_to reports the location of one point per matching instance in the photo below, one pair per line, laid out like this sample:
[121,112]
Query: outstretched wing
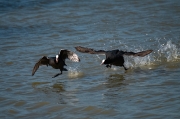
[89,50]
[43,61]
[140,54]
[70,55]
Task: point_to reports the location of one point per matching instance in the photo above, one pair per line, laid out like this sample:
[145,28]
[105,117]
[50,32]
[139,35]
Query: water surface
[31,29]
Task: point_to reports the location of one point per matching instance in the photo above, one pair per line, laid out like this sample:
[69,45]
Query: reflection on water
[58,87]
[36,84]
[115,80]
[47,87]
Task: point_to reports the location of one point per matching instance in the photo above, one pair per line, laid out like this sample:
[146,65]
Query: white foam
[74,72]
[131,61]
[169,51]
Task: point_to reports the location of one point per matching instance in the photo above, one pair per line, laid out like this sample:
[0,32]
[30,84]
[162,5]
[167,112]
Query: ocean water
[148,89]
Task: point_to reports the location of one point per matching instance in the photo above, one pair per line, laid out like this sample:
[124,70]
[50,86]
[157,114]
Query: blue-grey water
[30,29]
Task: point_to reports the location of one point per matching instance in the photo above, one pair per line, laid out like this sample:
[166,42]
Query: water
[31,29]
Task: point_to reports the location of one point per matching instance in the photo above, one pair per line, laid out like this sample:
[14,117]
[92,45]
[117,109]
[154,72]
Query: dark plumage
[113,57]
[57,62]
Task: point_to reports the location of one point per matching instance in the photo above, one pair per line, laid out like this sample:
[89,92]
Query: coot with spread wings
[57,62]
[113,57]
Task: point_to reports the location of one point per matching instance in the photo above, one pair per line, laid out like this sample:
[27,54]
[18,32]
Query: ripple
[31,29]
[20,103]
[37,105]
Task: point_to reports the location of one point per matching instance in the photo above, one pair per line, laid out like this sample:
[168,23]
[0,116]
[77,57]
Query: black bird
[57,62]
[113,57]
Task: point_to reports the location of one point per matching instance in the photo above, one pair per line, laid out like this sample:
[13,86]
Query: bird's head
[57,58]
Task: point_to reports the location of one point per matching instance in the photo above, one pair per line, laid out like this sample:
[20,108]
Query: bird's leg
[57,75]
[64,63]
[124,67]
[108,66]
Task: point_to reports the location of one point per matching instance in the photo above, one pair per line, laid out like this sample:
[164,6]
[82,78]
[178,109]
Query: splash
[74,72]
[162,52]
[169,51]
[137,61]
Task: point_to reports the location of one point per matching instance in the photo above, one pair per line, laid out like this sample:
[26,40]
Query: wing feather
[89,50]
[140,54]
[64,54]
[43,61]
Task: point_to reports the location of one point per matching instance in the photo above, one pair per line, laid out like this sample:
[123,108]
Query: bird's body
[57,62]
[56,65]
[113,57]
